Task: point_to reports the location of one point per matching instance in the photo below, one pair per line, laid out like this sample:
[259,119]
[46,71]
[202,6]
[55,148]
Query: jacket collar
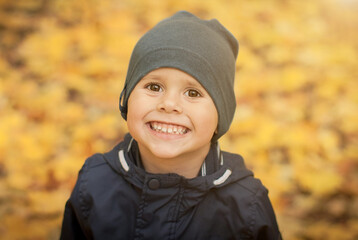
[218,170]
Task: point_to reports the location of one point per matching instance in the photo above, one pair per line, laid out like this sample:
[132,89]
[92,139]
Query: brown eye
[154,87]
[192,93]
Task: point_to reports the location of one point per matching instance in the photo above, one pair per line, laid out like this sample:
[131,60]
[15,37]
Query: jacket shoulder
[251,196]
[94,161]
[246,179]
[95,174]
[99,159]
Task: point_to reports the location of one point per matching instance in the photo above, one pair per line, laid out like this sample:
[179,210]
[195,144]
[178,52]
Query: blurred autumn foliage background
[63,64]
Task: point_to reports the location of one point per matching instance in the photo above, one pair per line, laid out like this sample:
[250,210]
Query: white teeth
[170,129]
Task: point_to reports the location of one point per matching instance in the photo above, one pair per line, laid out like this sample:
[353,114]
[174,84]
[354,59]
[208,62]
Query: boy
[168,178]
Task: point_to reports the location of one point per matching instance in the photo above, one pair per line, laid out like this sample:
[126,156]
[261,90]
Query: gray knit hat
[204,49]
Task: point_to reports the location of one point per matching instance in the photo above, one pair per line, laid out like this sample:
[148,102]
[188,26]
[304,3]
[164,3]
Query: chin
[164,154]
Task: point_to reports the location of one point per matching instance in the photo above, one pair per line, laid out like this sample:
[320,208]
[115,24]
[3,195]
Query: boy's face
[171,115]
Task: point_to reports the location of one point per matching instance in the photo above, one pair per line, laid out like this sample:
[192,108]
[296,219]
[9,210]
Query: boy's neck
[187,165]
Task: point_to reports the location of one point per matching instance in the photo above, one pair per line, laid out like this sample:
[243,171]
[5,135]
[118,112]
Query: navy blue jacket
[114,198]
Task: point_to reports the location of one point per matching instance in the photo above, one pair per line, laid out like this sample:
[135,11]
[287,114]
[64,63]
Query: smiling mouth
[168,128]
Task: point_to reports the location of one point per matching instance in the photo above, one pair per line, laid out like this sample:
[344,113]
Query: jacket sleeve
[71,228]
[265,227]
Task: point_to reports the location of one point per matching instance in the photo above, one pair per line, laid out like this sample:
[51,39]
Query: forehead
[171,74]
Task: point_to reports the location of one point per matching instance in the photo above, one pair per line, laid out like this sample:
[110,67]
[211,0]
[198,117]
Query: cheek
[138,107]
[131,121]
[211,122]
[206,119]
[135,103]
[134,111]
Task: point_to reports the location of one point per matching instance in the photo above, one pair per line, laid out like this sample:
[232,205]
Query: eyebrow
[152,76]
[189,82]
[194,83]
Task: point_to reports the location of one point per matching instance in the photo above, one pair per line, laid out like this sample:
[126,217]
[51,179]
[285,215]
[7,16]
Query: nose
[170,103]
